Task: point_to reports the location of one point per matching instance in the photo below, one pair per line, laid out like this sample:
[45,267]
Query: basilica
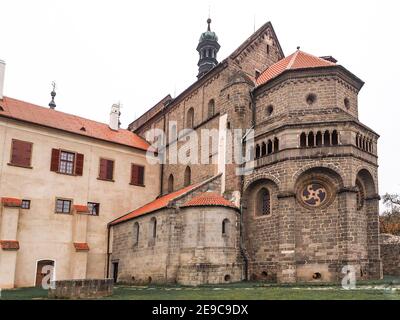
[91,200]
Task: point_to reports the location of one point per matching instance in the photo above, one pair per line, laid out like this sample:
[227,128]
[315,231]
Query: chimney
[2,72]
[114,117]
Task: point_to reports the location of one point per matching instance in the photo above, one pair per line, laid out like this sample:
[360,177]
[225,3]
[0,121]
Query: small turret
[208,48]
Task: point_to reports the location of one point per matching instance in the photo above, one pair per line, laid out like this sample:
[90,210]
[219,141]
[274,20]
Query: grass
[387,289]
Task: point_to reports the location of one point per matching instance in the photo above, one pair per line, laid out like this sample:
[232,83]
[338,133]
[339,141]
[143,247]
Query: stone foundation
[81,289]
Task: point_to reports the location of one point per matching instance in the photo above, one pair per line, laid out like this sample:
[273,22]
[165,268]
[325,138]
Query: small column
[374,259]
[9,246]
[79,255]
[287,244]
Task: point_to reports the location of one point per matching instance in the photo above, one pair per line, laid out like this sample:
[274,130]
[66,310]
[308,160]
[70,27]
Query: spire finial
[209,22]
[52,103]
[298,47]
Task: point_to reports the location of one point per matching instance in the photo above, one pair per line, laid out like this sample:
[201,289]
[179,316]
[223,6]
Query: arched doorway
[44,272]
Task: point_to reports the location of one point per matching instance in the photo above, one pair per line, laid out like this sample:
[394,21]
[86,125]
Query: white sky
[136,52]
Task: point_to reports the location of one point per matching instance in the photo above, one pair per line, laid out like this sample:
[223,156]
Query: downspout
[241,233]
[163,156]
[108,251]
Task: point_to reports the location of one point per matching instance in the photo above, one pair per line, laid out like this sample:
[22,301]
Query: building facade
[62,179]
[301,206]
[309,208]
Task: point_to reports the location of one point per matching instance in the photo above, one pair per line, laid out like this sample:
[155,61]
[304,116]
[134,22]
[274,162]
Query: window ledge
[19,166]
[137,185]
[107,180]
[67,174]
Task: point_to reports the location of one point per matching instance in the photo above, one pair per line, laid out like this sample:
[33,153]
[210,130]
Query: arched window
[258,151]
[269,146]
[211,108]
[263,149]
[263,202]
[276,145]
[303,140]
[170,183]
[188,177]
[172,133]
[311,142]
[136,234]
[319,139]
[335,138]
[327,138]
[225,227]
[190,118]
[153,229]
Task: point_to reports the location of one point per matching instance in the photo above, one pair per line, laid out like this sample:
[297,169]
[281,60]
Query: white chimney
[114,117]
[2,71]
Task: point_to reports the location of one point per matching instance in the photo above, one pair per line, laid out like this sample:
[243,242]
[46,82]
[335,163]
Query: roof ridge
[292,60]
[58,111]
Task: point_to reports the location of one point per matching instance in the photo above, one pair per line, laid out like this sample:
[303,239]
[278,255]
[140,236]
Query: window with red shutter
[55,160]
[21,153]
[79,164]
[137,175]
[106,171]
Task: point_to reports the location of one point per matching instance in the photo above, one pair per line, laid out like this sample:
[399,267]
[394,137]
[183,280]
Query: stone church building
[308,208]
[84,197]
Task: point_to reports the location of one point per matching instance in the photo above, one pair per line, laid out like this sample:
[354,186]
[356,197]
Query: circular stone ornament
[315,193]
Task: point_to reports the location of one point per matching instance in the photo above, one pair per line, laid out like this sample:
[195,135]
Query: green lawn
[388,289]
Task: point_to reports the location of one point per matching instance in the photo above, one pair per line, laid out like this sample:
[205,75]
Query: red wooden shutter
[134,174]
[137,175]
[55,160]
[110,169]
[103,169]
[140,175]
[21,153]
[79,164]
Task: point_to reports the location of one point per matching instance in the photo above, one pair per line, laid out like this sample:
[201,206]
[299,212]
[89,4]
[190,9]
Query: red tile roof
[81,246]
[81,208]
[9,244]
[11,202]
[297,60]
[157,204]
[209,199]
[24,111]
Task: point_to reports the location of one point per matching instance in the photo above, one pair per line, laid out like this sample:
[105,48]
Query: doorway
[115,271]
[44,268]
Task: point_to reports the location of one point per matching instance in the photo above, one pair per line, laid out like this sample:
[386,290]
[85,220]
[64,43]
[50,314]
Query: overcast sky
[136,52]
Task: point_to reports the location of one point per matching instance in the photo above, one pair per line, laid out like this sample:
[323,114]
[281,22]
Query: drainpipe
[108,251]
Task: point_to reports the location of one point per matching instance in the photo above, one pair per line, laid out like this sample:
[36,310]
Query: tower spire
[52,103]
[208,48]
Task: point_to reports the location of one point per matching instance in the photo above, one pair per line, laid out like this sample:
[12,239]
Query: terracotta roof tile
[157,204]
[20,110]
[9,244]
[11,202]
[297,60]
[81,246]
[209,199]
[81,208]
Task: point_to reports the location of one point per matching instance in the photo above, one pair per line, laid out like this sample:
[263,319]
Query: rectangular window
[137,175]
[94,208]
[63,206]
[67,162]
[26,204]
[21,153]
[106,171]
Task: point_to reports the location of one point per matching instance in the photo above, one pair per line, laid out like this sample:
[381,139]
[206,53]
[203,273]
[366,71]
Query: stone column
[8,241]
[350,249]
[374,259]
[287,244]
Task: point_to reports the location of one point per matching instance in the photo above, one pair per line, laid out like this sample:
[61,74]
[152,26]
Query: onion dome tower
[208,48]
